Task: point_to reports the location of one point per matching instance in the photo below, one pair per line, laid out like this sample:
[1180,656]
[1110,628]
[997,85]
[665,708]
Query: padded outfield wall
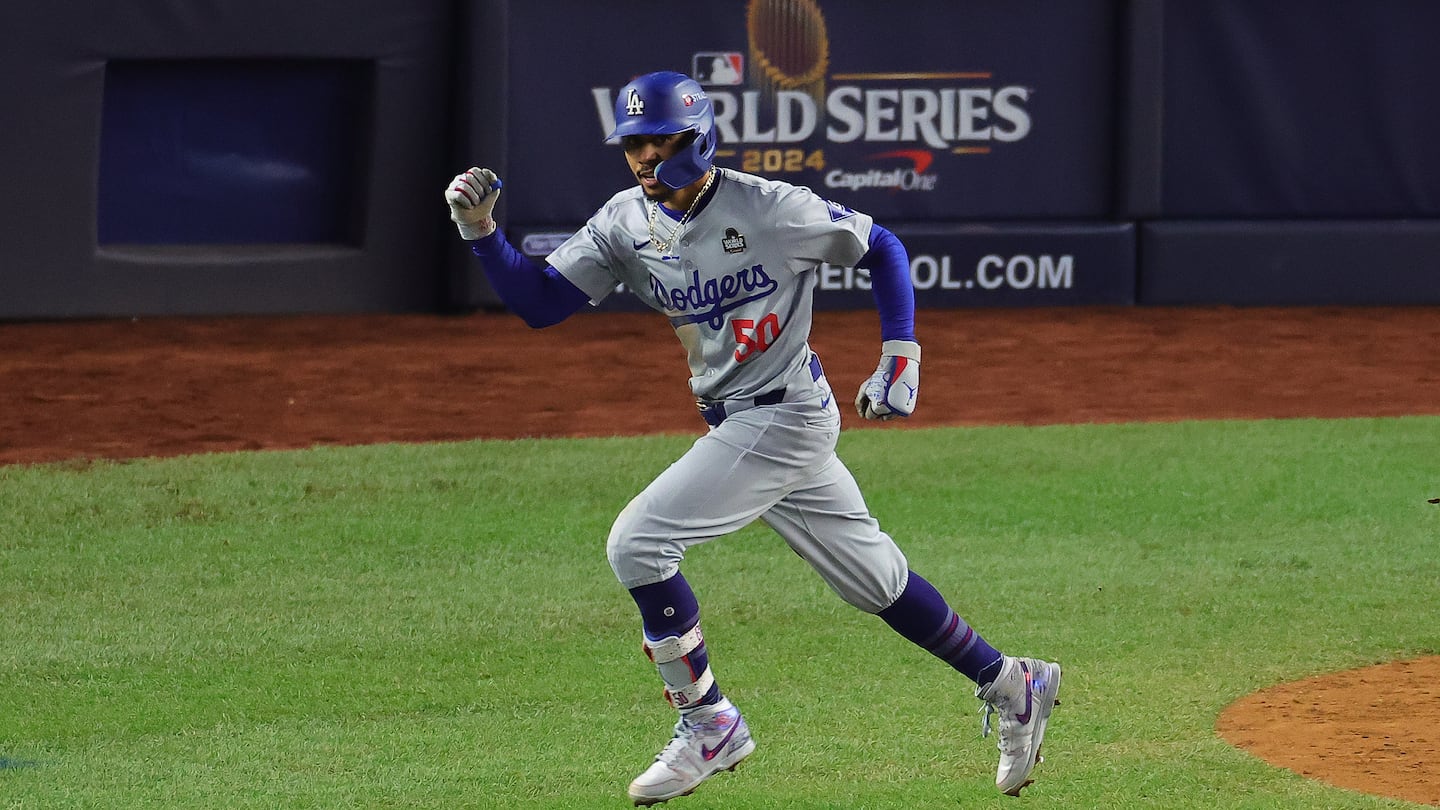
[984,134]
[1295,154]
[220,156]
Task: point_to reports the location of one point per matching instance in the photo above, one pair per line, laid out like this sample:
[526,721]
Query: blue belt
[714,411]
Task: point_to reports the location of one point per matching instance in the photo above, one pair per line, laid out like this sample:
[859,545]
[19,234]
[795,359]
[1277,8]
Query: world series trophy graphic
[789,47]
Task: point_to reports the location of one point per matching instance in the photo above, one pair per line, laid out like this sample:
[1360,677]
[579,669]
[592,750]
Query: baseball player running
[732,260]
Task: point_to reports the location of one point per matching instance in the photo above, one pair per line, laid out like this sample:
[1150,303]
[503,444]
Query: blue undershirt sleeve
[537,293]
[889,267]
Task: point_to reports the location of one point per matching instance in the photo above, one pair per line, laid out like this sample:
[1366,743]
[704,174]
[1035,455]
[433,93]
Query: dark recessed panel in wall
[234,151]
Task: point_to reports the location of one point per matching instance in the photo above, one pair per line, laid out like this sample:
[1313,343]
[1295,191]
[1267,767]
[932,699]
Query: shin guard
[684,666]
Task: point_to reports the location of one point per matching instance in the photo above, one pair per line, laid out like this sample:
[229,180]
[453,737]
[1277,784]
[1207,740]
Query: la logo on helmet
[634,105]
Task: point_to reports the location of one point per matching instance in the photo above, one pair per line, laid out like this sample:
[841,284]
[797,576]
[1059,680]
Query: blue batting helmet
[667,103]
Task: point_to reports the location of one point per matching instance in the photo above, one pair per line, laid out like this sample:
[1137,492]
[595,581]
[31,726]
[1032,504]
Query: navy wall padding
[54,57]
[1291,263]
[1061,55]
[482,94]
[276,139]
[1141,89]
[992,264]
[1006,264]
[1299,136]
[1300,110]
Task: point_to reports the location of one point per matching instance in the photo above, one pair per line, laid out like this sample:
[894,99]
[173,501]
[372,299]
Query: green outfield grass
[436,626]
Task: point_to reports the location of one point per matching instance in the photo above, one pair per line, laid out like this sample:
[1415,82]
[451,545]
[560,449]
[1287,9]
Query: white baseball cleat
[1023,695]
[704,744]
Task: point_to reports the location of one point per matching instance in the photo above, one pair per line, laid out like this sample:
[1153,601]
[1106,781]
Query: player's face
[644,153]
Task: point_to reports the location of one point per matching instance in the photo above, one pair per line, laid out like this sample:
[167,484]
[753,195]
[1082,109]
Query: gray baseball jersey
[738,285]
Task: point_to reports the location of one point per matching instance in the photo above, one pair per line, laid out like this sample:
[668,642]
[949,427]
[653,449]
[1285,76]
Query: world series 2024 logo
[779,108]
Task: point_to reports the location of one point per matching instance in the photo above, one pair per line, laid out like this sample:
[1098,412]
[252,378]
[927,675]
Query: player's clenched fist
[471,197]
[892,389]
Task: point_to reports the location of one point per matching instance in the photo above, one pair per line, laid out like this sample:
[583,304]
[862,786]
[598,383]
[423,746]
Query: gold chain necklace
[662,245]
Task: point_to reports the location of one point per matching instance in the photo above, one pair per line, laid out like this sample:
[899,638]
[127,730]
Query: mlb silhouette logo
[718,68]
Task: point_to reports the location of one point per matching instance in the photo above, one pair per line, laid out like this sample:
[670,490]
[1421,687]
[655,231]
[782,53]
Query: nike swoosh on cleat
[1024,717]
[707,753]
[639,245]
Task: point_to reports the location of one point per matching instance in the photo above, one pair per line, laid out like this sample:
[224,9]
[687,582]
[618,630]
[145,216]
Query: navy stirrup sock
[922,615]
